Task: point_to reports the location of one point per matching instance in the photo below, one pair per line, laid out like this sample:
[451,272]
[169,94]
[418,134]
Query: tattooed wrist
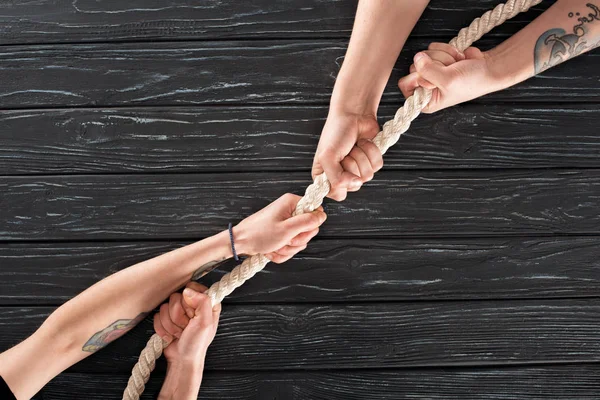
[557,45]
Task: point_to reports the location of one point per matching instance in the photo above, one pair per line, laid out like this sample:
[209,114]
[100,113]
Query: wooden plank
[396,203]
[227,139]
[360,270]
[558,382]
[227,72]
[378,335]
[64,21]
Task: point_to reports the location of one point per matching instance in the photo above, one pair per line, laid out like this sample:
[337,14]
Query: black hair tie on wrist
[232,243]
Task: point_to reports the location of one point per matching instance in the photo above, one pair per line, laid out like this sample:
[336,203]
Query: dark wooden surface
[68,21]
[229,139]
[335,271]
[377,335]
[467,269]
[405,203]
[225,72]
[557,382]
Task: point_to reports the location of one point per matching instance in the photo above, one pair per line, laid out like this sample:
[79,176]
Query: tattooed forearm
[122,326]
[206,268]
[111,332]
[556,45]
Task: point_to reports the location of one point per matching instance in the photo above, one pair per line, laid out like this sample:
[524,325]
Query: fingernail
[418,56]
[189,293]
[461,55]
[355,183]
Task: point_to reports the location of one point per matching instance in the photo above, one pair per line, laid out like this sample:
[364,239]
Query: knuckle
[288,196]
[338,195]
[424,69]
[327,151]
[335,183]
[182,321]
[176,309]
[363,143]
[314,219]
[403,84]
[369,147]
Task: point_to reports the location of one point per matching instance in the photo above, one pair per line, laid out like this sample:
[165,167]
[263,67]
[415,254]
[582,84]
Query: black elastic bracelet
[232,244]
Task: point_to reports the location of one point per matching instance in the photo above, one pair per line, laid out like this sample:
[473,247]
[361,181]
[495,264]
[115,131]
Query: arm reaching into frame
[567,29]
[113,306]
[345,151]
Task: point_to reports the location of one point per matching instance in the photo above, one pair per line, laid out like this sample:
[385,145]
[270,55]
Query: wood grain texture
[395,203]
[228,139]
[561,382]
[333,271]
[63,21]
[378,335]
[130,128]
[227,72]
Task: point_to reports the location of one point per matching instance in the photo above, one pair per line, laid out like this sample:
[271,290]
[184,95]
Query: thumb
[336,174]
[473,53]
[430,70]
[192,298]
[305,222]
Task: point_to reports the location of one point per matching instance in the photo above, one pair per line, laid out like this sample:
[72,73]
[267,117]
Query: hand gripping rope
[316,192]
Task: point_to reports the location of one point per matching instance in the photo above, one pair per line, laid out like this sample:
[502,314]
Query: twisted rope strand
[316,192]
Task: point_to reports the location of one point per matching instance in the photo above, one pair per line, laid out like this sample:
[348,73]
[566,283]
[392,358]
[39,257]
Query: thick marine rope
[316,192]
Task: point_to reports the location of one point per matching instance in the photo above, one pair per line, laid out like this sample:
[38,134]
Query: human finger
[363,163]
[166,322]
[177,311]
[447,48]
[303,238]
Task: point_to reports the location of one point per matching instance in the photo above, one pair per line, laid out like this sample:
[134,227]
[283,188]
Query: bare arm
[345,152]
[567,29]
[113,306]
[103,313]
[380,30]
